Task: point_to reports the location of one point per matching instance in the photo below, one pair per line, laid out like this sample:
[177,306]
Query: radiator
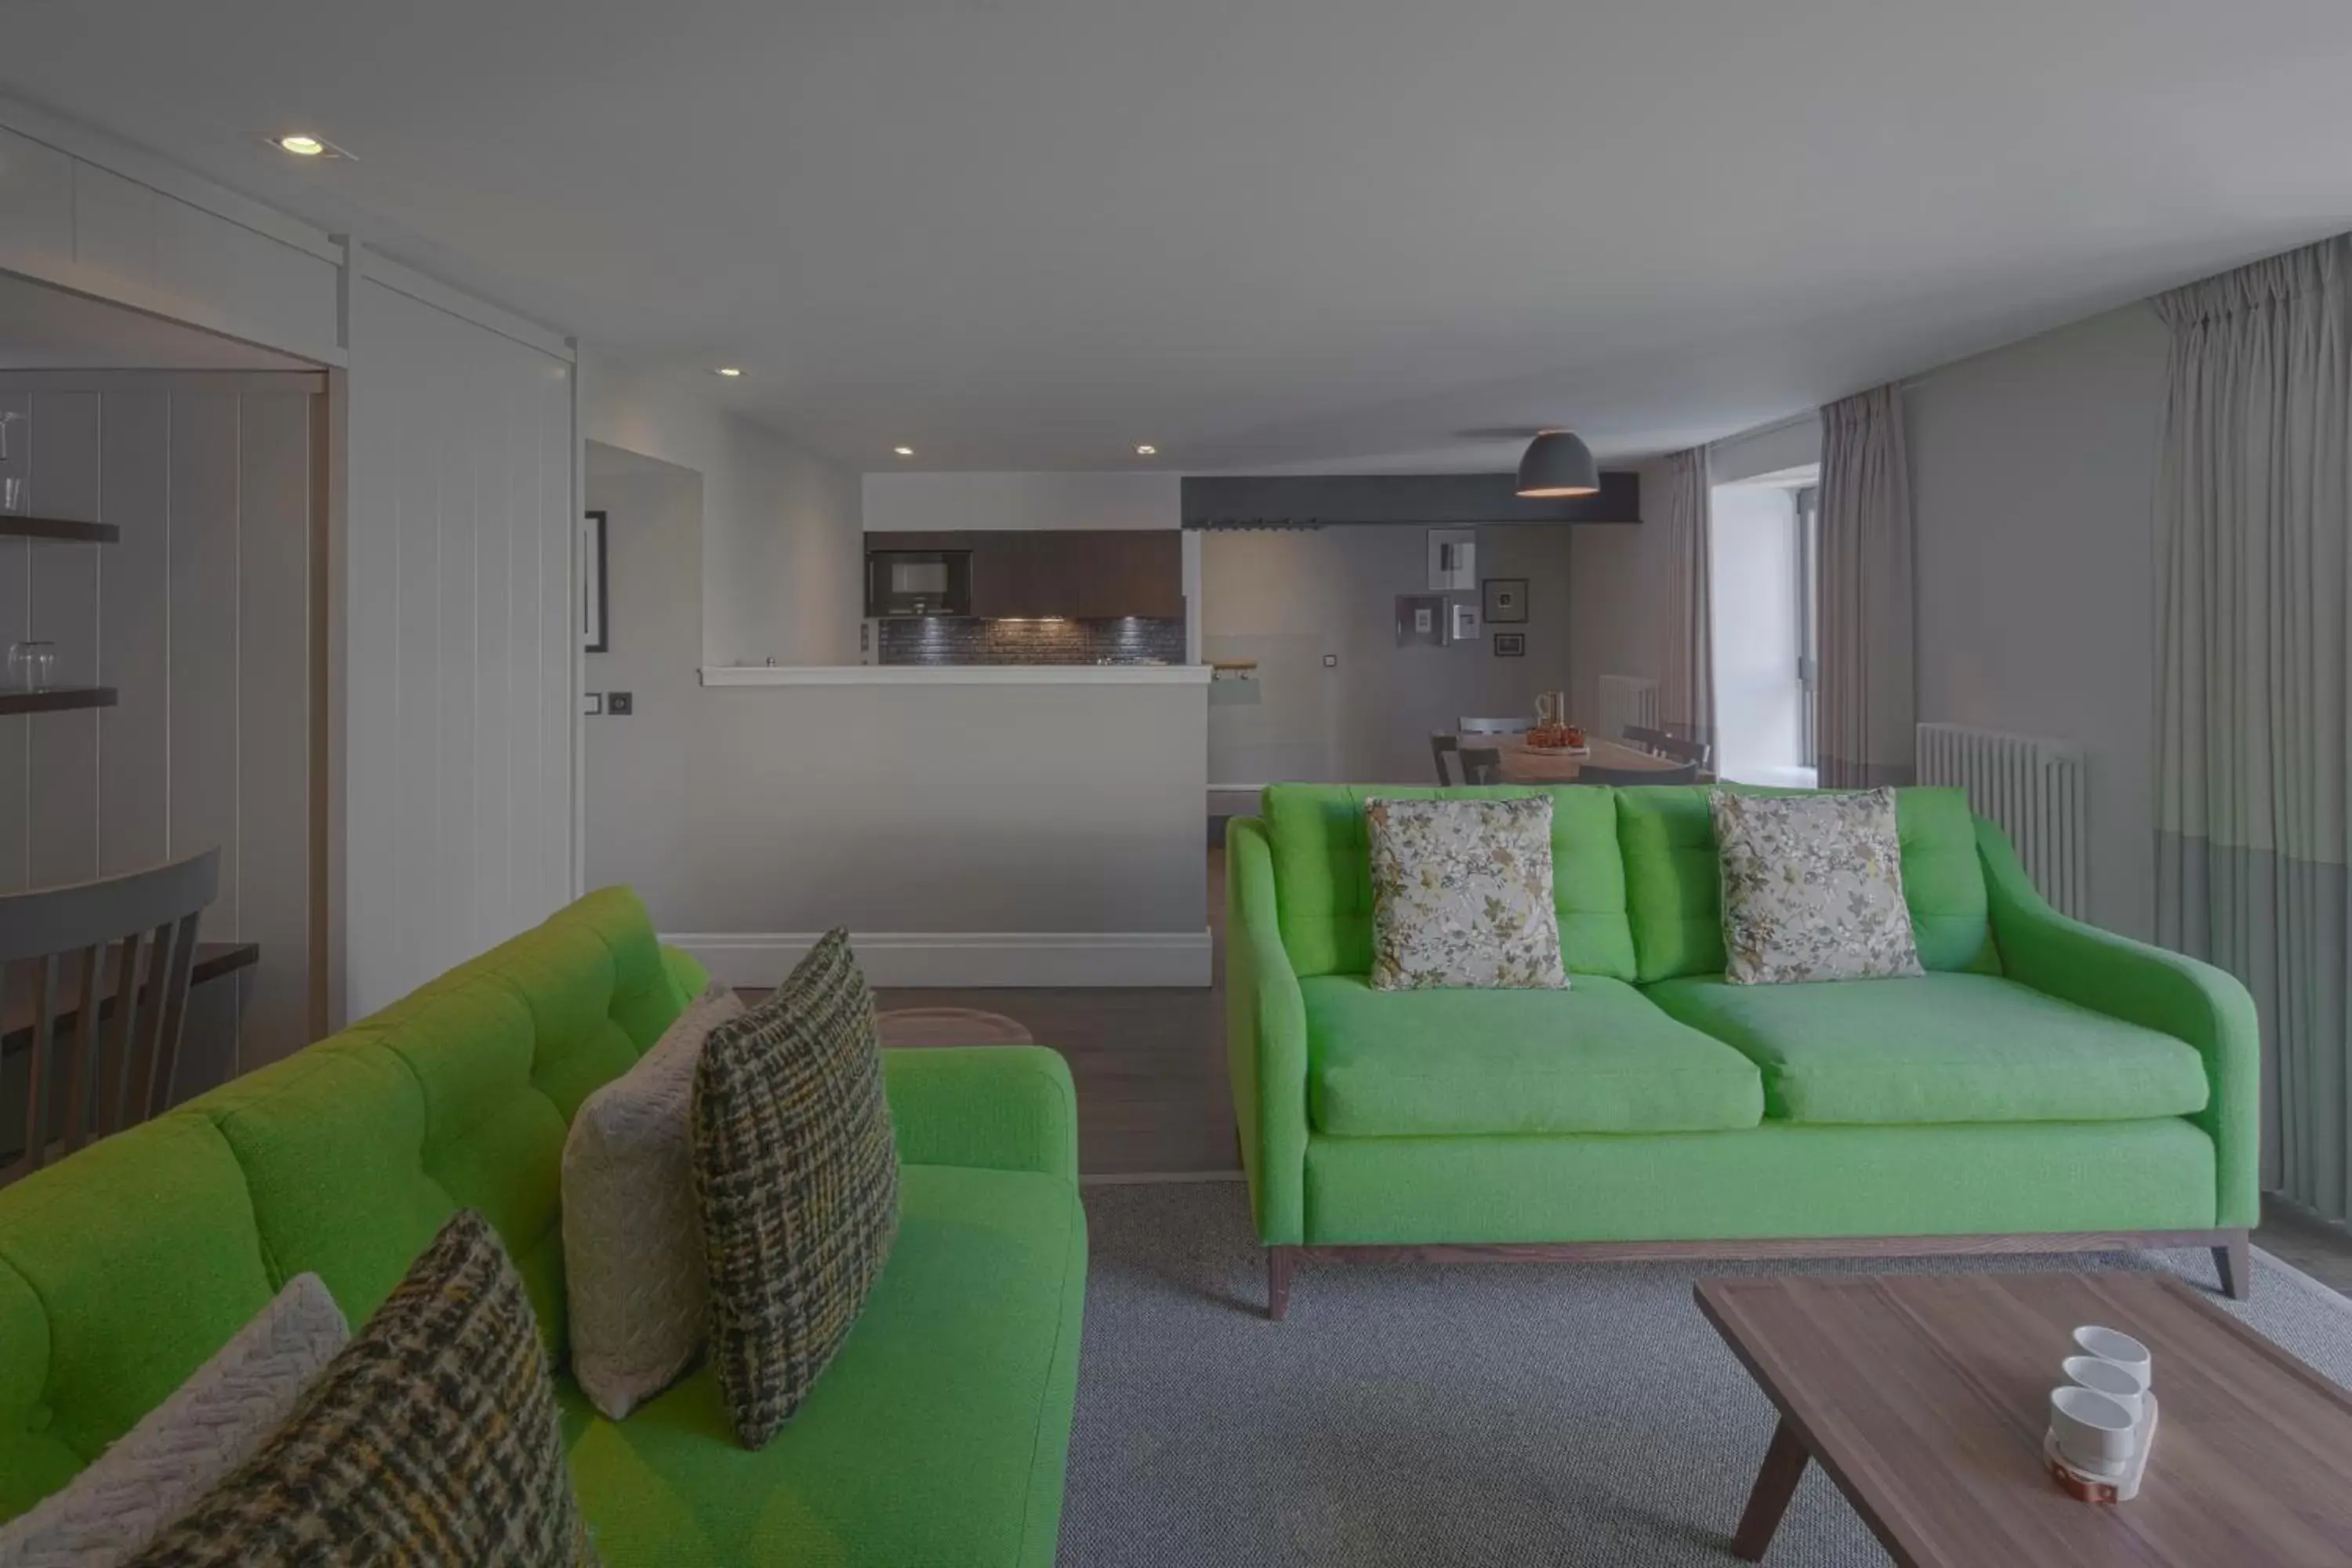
[1626,700]
[2034,788]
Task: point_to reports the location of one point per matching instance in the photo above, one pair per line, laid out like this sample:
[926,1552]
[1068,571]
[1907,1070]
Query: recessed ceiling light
[303,144]
[1147,450]
[904,451]
[728,371]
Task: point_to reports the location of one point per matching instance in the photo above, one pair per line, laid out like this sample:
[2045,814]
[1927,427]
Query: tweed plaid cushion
[432,1438]
[212,1424]
[797,1180]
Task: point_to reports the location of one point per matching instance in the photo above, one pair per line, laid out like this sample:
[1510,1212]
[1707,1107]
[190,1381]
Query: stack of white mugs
[2102,1420]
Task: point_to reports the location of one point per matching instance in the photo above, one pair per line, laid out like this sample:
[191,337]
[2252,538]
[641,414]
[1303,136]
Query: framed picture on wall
[1510,644]
[1506,600]
[595,602]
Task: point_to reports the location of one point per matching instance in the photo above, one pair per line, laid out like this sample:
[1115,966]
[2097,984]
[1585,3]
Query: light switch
[591,703]
[1330,661]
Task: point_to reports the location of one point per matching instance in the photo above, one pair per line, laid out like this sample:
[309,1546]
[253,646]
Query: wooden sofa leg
[2234,1262]
[1279,1262]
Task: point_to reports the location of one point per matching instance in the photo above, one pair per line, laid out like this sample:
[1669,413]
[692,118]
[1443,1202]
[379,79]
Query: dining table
[1522,764]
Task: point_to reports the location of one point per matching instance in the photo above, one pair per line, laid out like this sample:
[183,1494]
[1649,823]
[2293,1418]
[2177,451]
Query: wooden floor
[1153,1099]
[1149,1064]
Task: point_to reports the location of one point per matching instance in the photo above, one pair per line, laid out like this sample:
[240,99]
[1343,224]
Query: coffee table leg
[1776,1483]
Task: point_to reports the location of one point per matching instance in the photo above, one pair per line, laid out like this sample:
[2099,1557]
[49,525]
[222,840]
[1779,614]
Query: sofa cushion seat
[1597,1058]
[938,1434]
[1940,1049]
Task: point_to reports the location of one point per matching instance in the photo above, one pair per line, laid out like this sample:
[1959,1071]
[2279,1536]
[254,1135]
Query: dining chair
[1681,747]
[1494,726]
[121,951]
[1442,746]
[1683,773]
[1482,765]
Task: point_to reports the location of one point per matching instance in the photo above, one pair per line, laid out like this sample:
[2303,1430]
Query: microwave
[919,581]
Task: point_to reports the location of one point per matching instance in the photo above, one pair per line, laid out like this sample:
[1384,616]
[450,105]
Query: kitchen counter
[956,675]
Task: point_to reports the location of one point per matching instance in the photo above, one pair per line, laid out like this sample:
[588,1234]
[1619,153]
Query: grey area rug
[1496,1413]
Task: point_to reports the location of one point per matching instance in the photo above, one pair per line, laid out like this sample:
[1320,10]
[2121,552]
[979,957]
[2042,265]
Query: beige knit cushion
[213,1424]
[632,1238]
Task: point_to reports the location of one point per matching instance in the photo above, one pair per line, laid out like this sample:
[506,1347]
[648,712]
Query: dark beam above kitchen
[1426,500]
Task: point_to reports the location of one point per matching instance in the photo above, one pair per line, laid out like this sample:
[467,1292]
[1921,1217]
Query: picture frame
[1421,620]
[595,598]
[1465,627]
[1510,644]
[1505,600]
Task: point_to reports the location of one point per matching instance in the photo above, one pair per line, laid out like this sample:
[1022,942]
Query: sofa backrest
[1323,874]
[123,1268]
[1674,880]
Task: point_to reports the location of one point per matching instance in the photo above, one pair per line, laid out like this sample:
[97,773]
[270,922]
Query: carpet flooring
[1505,1414]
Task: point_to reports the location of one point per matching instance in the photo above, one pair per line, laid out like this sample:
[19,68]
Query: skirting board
[966,958]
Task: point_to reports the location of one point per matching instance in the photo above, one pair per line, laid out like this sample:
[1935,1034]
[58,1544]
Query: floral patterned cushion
[1812,888]
[1461,895]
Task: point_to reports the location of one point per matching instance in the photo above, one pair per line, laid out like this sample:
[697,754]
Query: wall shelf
[56,700]
[53,528]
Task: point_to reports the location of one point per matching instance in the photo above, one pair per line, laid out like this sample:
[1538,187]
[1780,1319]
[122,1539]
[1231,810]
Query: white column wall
[460,647]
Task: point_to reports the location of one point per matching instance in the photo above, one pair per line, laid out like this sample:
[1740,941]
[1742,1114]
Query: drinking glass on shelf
[32,665]
[12,482]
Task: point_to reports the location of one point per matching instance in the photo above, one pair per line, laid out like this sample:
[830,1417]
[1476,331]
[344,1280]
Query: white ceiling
[49,329]
[1022,234]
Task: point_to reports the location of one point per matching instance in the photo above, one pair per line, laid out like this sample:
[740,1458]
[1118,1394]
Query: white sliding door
[459,646]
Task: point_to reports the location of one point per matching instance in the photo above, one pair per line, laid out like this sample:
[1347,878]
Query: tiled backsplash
[965,639]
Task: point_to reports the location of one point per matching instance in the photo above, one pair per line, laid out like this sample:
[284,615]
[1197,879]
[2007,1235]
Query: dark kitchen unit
[1029,596]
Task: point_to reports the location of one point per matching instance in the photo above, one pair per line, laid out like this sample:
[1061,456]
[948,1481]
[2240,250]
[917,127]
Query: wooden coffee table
[1925,1397]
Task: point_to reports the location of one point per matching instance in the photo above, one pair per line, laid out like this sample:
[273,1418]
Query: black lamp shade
[1558,464]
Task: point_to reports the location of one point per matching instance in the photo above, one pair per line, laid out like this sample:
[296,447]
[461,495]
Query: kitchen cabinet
[1079,575]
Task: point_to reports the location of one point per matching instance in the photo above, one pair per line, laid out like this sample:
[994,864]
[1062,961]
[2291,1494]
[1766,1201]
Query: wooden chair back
[117,953]
[1681,747]
[1687,772]
[1440,747]
[1494,726]
[1482,765]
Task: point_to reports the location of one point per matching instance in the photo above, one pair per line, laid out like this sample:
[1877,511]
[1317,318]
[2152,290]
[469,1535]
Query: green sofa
[937,1437]
[2046,1087]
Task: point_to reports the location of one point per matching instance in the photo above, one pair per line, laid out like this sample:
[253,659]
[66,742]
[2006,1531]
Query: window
[1809,625]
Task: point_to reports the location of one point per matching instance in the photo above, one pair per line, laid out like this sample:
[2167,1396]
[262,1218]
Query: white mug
[2110,1378]
[2125,1352]
[2095,1433]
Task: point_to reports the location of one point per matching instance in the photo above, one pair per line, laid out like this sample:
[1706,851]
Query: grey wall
[200,616]
[2033,471]
[889,807]
[782,552]
[1288,599]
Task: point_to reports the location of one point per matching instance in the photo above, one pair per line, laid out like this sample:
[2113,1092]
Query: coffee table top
[1925,1397]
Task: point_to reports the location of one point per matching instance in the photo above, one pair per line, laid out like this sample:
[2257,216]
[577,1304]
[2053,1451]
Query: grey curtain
[1866,696]
[2253,504]
[1686,693]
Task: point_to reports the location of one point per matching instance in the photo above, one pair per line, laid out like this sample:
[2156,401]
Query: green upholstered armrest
[2150,986]
[685,972]
[1266,1038]
[998,1108]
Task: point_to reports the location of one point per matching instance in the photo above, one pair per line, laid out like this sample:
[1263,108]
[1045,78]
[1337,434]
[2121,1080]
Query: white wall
[133,231]
[1616,583]
[782,552]
[968,833]
[899,503]
[461,645]
[1758,722]
[1287,598]
[2033,470]
[199,617]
